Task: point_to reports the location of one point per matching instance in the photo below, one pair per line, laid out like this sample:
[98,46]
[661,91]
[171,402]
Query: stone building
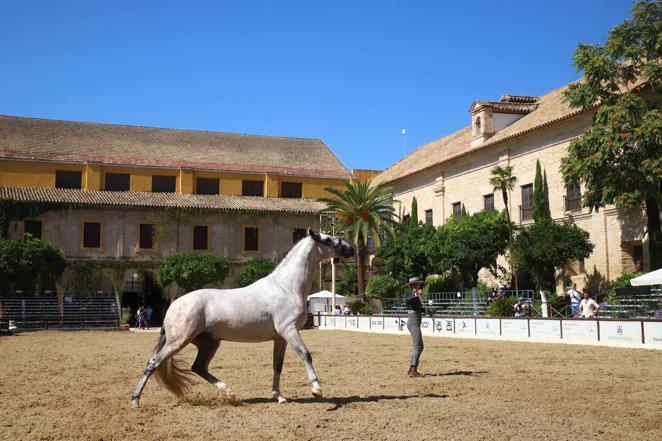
[454,170]
[125,193]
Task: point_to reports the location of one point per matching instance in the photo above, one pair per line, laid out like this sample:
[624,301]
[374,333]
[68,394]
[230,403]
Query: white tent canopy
[652,278]
[323,301]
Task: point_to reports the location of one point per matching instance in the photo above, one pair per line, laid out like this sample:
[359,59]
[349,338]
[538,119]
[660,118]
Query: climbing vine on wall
[12,209]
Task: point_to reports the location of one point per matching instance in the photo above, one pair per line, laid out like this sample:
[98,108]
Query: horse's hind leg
[279,356]
[293,337]
[164,351]
[207,348]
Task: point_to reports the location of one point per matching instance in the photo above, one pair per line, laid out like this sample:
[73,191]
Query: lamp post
[333,270]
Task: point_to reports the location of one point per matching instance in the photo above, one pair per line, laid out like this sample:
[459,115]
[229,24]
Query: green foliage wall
[384,287]
[254,269]
[191,271]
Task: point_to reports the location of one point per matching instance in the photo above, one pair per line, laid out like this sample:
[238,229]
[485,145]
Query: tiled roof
[161,200]
[550,108]
[68,141]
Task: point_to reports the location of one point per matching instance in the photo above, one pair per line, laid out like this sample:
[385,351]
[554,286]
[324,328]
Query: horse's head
[330,246]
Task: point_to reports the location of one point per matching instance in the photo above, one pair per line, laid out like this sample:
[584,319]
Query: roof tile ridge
[140,126]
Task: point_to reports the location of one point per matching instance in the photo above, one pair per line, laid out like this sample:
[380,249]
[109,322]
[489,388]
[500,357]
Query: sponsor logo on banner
[653,333]
[351,323]
[620,332]
[376,323]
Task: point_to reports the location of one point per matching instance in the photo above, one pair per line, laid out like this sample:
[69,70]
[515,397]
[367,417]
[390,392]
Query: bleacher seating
[43,312]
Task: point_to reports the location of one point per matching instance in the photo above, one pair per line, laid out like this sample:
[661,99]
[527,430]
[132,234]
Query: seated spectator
[519,309]
[346,310]
[588,308]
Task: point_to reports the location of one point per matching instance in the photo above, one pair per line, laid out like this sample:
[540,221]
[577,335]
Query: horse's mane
[287,255]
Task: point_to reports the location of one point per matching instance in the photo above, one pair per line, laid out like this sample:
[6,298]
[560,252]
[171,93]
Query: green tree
[191,271]
[473,242]
[363,211]
[503,180]
[384,287]
[414,211]
[545,246]
[412,251]
[540,207]
[29,264]
[619,158]
[346,284]
[254,269]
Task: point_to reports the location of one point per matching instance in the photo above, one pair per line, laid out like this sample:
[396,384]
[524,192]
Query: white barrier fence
[610,332]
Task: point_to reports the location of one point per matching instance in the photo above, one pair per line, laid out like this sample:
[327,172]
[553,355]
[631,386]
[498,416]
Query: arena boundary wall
[633,333]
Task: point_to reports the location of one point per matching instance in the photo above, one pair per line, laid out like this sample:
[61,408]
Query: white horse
[273,308]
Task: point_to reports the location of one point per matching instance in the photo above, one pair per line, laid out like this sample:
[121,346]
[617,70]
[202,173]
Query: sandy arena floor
[77,386]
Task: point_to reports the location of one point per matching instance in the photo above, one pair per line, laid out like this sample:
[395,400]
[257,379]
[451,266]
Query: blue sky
[351,73]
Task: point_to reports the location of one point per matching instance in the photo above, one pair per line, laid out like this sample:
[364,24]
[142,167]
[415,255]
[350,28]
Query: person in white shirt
[575,297]
[588,308]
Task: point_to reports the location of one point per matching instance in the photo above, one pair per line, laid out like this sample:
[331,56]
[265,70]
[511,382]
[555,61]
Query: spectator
[346,310]
[140,318]
[588,308]
[148,314]
[574,297]
[519,308]
[337,311]
[493,294]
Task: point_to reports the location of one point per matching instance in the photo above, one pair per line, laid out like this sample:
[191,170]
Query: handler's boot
[414,372]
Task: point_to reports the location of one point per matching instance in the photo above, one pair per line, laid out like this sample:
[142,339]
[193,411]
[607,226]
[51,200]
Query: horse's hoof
[281,400]
[135,404]
[317,392]
[229,395]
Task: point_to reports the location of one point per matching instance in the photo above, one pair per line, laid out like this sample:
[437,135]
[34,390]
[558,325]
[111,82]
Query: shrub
[191,271]
[439,283]
[30,263]
[358,306]
[502,307]
[254,269]
[384,287]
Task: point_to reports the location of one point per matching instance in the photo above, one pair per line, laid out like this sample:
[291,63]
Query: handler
[414,314]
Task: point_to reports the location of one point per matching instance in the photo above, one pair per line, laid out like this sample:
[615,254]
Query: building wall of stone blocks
[466,180]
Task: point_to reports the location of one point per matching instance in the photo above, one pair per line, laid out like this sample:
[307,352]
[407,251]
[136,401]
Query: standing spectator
[519,308]
[414,316]
[574,297]
[148,314]
[140,317]
[346,311]
[493,294]
[337,311]
[588,308]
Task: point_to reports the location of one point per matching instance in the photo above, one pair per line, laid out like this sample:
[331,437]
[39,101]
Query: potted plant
[126,316]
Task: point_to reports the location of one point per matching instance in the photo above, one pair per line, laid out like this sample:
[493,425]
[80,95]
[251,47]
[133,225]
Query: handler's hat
[415,280]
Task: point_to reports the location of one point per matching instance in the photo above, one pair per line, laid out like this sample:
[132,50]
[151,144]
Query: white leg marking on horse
[281,399]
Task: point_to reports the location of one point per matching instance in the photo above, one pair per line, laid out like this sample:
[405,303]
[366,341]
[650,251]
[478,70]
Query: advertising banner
[620,332]
[465,326]
[377,323]
[653,334]
[515,328]
[351,322]
[580,330]
[340,321]
[444,326]
[393,324]
[487,327]
[548,329]
[364,323]
[427,326]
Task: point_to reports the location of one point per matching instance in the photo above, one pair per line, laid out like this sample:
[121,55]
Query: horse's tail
[170,373]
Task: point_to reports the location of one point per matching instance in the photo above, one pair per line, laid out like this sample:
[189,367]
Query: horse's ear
[314,235]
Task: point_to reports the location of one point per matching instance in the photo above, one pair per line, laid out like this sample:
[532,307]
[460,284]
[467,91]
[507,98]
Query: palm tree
[362,210]
[502,179]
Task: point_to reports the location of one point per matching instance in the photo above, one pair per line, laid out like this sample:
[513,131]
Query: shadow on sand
[339,402]
[454,373]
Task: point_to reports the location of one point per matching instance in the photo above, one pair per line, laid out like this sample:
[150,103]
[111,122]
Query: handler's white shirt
[574,295]
[588,307]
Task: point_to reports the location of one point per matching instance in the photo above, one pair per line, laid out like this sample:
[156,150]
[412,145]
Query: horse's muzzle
[346,251]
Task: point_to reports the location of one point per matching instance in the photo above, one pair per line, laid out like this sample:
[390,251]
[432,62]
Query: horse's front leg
[292,337]
[279,356]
